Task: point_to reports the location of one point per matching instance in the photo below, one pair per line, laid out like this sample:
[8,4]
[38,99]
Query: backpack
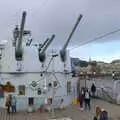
[87,96]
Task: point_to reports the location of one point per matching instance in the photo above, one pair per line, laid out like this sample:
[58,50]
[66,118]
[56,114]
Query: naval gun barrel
[18,49]
[72,32]
[63,50]
[44,47]
[48,43]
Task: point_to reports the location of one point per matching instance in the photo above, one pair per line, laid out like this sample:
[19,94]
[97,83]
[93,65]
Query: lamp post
[85,74]
[94,73]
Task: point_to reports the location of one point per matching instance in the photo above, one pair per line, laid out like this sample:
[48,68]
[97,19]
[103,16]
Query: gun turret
[42,48]
[18,49]
[63,50]
[16,33]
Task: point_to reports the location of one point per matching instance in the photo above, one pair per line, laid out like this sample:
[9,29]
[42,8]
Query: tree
[83,64]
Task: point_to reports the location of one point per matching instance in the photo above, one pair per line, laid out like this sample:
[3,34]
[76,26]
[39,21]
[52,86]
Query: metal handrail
[104,94]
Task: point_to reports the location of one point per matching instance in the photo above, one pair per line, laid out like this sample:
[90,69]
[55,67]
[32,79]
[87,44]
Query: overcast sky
[47,17]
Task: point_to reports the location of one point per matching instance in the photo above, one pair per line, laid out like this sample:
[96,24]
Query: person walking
[81,99]
[93,89]
[87,99]
[13,104]
[8,103]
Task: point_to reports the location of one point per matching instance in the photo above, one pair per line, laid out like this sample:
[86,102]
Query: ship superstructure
[32,71]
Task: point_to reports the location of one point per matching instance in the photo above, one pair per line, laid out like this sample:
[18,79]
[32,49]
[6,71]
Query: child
[98,113]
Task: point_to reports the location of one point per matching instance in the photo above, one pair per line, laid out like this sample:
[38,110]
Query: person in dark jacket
[81,99]
[93,90]
[104,115]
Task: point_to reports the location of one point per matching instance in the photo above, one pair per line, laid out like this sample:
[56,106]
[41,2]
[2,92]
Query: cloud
[46,17]
[108,58]
[98,51]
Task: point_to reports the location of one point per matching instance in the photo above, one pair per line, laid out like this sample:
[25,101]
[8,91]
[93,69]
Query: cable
[49,64]
[14,17]
[96,38]
[41,7]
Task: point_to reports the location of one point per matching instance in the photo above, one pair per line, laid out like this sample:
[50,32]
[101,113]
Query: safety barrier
[106,94]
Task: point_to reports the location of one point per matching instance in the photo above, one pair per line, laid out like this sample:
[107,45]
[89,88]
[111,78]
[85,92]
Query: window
[39,91]
[68,87]
[21,90]
[30,101]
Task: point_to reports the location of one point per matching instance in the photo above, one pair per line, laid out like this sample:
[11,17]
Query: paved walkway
[72,112]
